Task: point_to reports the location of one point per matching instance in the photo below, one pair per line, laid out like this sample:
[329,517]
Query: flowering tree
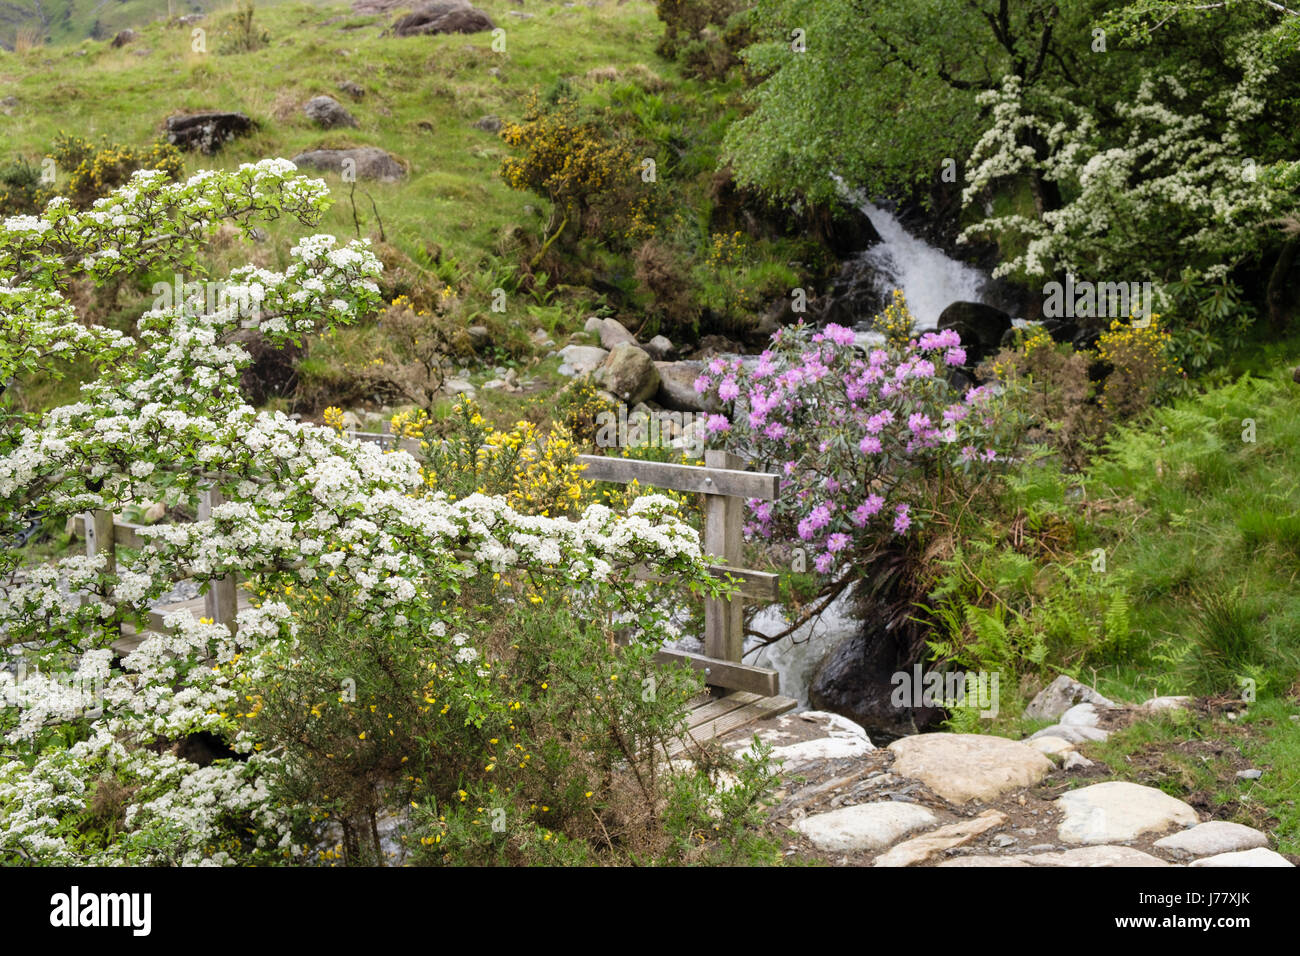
[869,445]
[304,511]
[1179,165]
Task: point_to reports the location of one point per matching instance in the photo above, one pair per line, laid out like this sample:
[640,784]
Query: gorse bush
[590,176]
[94,170]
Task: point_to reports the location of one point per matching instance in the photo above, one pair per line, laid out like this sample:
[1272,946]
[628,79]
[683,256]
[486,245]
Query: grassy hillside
[71,21]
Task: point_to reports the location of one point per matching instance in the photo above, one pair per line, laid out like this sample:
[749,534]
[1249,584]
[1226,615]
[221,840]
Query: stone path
[975,800]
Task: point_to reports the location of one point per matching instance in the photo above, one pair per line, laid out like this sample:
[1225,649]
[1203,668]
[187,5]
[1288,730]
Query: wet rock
[367,162]
[856,679]
[327,112]
[1118,811]
[1214,837]
[965,767]
[829,737]
[980,326]
[866,826]
[206,132]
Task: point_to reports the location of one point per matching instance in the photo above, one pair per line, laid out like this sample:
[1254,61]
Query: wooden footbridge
[738,694]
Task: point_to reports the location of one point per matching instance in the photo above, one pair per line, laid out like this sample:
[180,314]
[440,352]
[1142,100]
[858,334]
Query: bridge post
[724,627]
[221,603]
[102,539]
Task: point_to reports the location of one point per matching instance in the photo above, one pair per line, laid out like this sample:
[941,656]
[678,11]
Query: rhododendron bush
[91,773]
[868,442]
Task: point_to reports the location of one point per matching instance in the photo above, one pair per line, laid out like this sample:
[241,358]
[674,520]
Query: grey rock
[1074,734]
[1249,774]
[123,38]
[1060,695]
[1075,761]
[1081,715]
[965,767]
[1253,858]
[593,325]
[613,334]
[478,335]
[677,387]
[443,16]
[206,132]
[866,826]
[583,358]
[630,373]
[327,112]
[1118,811]
[659,348]
[1207,839]
[489,124]
[368,162]
[353,90]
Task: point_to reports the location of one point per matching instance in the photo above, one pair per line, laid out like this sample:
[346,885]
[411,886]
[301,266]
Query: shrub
[870,448]
[590,177]
[93,171]
[21,189]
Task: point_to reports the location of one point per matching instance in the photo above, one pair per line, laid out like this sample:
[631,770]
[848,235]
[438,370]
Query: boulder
[659,348]
[352,89]
[206,132]
[489,124]
[123,38]
[630,374]
[478,335]
[965,767]
[593,324]
[856,679]
[867,826]
[613,334]
[443,16]
[327,112]
[677,387]
[1059,696]
[1207,839]
[1118,811]
[980,326]
[368,162]
[583,358]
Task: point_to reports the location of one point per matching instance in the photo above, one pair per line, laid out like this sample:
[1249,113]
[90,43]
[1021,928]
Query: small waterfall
[928,277]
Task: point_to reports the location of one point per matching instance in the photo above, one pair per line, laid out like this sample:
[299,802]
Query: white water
[930,280]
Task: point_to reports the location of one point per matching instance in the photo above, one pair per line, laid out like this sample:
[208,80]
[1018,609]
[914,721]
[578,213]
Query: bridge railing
[721,480]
